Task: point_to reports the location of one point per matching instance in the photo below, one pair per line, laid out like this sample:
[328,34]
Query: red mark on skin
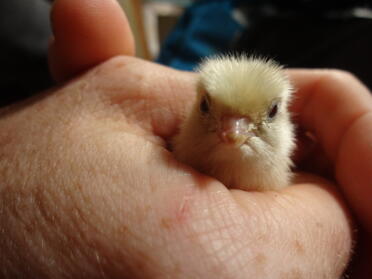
[181,216]
[183,210]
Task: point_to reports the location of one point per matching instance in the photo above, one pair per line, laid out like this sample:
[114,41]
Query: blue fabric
[206,28]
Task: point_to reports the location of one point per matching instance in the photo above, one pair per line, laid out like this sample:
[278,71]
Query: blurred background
[180,33]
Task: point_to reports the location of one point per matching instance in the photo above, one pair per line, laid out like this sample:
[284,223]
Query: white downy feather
[240,87]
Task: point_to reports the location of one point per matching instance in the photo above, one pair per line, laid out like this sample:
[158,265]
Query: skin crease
[77,202]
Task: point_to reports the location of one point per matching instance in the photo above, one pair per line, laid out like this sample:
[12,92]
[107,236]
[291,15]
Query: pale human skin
[89,191]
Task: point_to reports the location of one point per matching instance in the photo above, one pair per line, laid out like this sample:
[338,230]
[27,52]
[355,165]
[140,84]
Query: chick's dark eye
[273,111]
[204,105]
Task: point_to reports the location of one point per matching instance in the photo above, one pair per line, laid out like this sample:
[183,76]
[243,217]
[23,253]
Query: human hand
[77,200]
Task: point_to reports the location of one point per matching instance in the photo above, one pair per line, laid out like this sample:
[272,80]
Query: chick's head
[243,102]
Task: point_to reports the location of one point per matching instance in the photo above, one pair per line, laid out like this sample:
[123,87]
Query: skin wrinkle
[103,244]
[135,103]
[77,238]
[100,266]
[198,233]
[261,268]
[175,268]
[332,237]
[194,207]
[132,116]
[143,88]
[12,226]
[172,82]
[292,274]
[187,86]
[232,253]
[105,79]
[320,225]
[168,109]
[259,260]
[251,208]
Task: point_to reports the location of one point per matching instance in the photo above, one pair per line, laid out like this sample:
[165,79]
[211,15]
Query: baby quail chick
[239,130]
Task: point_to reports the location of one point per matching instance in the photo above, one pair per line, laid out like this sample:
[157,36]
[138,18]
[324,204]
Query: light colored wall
[133,10]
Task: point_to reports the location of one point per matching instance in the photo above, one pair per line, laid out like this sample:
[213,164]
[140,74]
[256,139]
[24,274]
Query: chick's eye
[273,111]
[204,105]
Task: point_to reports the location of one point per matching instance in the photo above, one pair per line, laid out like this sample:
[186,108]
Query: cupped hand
[90,190]
[337,108]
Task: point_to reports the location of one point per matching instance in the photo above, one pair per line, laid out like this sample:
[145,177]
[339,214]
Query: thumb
[86,33]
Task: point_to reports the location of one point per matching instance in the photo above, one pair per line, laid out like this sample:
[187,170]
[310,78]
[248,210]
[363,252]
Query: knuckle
[338,76]
[112,66]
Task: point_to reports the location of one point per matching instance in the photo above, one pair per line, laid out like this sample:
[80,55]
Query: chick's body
[239,130]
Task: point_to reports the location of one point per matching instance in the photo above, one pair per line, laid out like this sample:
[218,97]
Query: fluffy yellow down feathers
[239,130]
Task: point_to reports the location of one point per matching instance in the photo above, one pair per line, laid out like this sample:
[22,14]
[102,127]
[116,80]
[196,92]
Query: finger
[305,219]
[337,108]
[327,103]
[86,33]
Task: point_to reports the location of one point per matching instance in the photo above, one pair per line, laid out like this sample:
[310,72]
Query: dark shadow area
[313,42]
[24,35]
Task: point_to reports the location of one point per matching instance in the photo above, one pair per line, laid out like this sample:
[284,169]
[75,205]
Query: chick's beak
[235,130]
